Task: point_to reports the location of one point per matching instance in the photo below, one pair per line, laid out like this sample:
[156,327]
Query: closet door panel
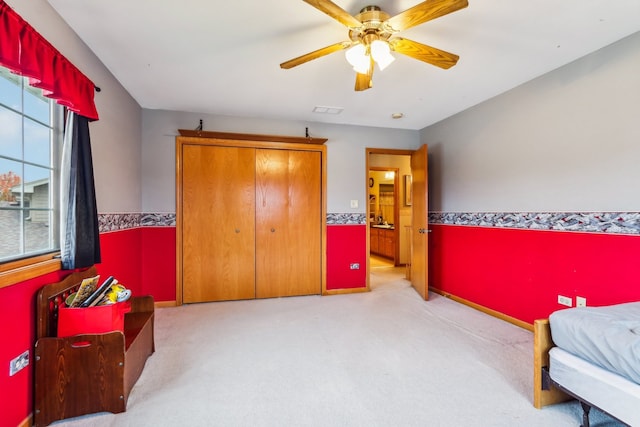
[218,191]
[288,223]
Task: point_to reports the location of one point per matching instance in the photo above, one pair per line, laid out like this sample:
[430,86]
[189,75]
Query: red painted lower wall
[521,272]
[143,259]
[17,317]
[346,244]
[516,272]
[121,258]
[158,260]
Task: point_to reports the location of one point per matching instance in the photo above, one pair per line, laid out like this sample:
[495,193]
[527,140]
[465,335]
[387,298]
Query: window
[30,146]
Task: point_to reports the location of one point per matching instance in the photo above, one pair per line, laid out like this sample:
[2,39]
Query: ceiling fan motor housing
[372,18]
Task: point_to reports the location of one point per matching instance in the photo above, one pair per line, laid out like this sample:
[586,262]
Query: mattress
[608,337]
[610,392]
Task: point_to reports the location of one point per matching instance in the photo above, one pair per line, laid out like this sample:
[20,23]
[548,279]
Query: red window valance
[24,51]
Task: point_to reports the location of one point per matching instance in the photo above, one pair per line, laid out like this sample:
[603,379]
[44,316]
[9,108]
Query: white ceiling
[222,57]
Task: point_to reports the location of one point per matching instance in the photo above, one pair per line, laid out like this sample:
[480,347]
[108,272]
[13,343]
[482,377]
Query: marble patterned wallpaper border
[346,219]
[119,221]
[588,222]
[158,220]
[124,221]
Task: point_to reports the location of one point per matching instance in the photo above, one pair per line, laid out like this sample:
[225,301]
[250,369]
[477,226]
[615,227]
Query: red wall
[17,317]
[158,260]
[346,244]
[121,257]
[516,272]
[521,272]
[143,259]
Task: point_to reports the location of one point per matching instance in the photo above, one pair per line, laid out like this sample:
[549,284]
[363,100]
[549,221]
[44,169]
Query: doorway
[384,214]
[388,212]
[411,224]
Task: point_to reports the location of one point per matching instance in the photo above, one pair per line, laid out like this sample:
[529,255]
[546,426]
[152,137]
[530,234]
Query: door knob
[237,230]
[423,231]
[273,230]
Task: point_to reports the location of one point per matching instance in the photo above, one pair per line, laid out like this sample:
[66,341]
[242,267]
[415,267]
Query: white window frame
[21,260]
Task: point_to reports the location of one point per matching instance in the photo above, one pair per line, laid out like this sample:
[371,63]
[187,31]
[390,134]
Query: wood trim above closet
[251,137]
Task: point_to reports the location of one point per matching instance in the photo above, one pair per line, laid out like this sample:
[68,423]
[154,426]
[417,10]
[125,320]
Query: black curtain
[80,236]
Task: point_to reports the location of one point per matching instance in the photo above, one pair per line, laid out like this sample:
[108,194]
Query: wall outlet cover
[565,301]
[19,363]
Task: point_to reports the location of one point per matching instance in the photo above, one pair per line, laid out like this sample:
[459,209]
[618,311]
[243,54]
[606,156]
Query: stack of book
[89,294]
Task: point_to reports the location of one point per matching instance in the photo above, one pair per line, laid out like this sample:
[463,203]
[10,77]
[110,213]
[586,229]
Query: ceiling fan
[372,36]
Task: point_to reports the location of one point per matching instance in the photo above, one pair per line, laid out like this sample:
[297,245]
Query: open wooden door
[419,222]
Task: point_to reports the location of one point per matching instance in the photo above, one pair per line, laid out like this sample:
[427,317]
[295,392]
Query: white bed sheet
[610,392]
[608,336]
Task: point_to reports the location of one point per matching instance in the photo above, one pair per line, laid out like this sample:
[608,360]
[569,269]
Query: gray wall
[115,138]
[346,177]
[567,141]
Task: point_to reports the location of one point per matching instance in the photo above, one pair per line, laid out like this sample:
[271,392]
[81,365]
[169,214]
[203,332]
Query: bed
[591,354]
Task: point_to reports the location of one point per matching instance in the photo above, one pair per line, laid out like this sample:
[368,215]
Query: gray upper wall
[346,177]
[567,141]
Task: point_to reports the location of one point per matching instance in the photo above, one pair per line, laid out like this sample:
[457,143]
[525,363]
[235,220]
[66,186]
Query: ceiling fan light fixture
[370,32]
[381,52]
[358,58]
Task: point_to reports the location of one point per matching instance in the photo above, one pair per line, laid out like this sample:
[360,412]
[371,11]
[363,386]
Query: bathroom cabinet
[382,241]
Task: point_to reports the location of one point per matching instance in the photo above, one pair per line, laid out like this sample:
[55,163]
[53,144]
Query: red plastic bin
[92,320]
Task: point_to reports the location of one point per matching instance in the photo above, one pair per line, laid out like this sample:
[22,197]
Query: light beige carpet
[379,262]
[383,358]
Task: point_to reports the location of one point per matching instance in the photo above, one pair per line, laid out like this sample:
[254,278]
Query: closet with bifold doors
[250,217]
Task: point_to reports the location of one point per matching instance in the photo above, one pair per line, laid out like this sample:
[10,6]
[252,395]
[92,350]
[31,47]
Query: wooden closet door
[288,223]
[218,204]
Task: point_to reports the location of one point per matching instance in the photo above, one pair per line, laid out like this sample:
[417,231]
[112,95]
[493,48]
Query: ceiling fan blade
[365,81]
[314,55]
[423,12]
[336,12]
[425,53]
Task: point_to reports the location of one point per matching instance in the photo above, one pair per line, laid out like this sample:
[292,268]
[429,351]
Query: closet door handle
[423,231]
[273,230]
[237,230]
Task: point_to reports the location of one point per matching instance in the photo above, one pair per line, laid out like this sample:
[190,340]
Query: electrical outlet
[565,301]
[354,266]
[354,204]
[581,302]
[19,363]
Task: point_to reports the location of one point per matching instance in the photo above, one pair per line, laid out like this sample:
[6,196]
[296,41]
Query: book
[87,287]
[98,293]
